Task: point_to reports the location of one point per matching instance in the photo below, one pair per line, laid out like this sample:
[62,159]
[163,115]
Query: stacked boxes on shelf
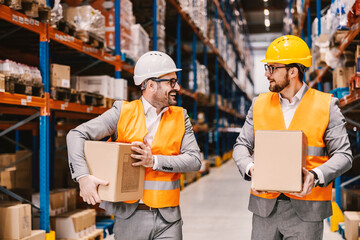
[20,78]
[87,21]
[127,19]
[104,85]
[140,41]
[15,222]
[17,176]
[197,10]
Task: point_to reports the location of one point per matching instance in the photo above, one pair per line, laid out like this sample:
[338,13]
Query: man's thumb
[102,182]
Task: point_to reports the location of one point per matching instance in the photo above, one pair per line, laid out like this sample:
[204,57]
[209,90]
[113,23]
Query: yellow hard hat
[288,49]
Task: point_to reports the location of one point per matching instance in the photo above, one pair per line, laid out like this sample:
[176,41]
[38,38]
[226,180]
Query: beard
[171,100]
[278,87]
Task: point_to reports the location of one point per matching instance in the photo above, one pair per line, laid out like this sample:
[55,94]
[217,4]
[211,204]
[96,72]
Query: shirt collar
[298,96]
[148,107]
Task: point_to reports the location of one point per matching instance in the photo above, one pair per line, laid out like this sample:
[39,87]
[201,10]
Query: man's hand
[88,188]
[308,184]
[252,170]
[144,155]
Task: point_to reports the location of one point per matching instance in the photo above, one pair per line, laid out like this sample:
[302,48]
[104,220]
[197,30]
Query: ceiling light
[265,0]
[267,23]
[266,12]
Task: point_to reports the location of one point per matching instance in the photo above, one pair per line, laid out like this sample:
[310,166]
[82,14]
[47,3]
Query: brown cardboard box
[59,76]
[7,178]
[70,198]
[111,161]
[339,78]
[36,235]
[6,159]
[2,82]
[350,199]
[352,220]
[279,158]
[15,221]
[56,202]
[75,224]
[23,176]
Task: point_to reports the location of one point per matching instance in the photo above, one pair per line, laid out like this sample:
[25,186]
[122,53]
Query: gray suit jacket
[106,125]
[338,148]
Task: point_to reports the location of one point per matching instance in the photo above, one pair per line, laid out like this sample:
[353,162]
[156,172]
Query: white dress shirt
[288,109]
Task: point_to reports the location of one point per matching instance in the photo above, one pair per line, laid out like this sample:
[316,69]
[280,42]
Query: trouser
[284,224]
[147,225]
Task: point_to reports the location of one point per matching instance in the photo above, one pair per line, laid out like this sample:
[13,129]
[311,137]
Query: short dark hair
[301,69]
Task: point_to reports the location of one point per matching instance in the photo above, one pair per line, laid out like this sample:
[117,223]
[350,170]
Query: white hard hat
[153,64]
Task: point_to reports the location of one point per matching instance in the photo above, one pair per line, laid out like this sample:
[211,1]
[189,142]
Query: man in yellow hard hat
[292,105]
[163,140]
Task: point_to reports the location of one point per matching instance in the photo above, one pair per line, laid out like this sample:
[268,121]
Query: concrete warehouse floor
[215,207]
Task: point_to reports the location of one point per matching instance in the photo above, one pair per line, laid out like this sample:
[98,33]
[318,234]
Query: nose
[177,86]
[267,74]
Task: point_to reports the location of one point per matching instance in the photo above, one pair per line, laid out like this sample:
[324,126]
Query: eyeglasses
[172,81]
[272,68]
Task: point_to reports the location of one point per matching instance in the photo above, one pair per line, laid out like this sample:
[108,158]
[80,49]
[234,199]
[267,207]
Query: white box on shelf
[101,84]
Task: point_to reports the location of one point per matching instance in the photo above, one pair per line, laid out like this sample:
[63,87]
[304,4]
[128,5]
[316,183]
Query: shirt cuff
[155,166]
[248,169]
[77,179]
[320,175]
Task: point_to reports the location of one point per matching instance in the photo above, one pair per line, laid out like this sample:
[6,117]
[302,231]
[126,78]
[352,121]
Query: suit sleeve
[96,129]
[189,158]
[244,146]
[337,145]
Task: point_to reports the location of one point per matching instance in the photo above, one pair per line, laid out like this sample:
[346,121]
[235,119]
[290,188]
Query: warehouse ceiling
[255,17]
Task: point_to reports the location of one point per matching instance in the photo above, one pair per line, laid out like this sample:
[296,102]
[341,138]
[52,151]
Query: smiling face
[164,95]
[279,78]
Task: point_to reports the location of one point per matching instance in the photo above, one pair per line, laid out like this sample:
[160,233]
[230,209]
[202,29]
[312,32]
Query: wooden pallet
[34,9]
[23,88]
[91,99]
[65,27]
[108,102]
[13,4]
[38,90]
[74,96]
[91,39]
[59,93]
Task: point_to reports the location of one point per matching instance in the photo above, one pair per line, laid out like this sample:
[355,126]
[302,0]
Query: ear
[294,72]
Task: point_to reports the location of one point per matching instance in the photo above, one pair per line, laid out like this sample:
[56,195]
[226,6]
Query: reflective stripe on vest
[311,117]
[161,189]
[161,185]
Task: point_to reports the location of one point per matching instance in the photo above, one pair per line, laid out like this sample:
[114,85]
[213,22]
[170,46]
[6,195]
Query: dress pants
[147,225]
[284,224]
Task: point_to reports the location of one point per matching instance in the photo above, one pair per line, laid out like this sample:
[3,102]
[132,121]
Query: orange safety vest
[311,117]
[161,189]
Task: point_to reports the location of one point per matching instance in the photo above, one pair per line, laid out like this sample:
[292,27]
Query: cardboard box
[15,221]
[352,220]
[75,224]
[59,76]
[36,235]
[6,159]
[350,199]
[56,202]
[279,158]
[111,161]
[69,198]
[7,178]
[121,89]
[2,82]
[340,78]
[23,175]
[101,84]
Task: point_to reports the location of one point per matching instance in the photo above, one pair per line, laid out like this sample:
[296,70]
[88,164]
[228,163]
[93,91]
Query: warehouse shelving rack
[350,104]
[45,105]
[229,135]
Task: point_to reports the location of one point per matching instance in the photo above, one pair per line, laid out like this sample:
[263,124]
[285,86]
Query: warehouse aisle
[215,207]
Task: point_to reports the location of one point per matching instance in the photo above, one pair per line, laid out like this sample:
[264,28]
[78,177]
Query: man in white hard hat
[162,137]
